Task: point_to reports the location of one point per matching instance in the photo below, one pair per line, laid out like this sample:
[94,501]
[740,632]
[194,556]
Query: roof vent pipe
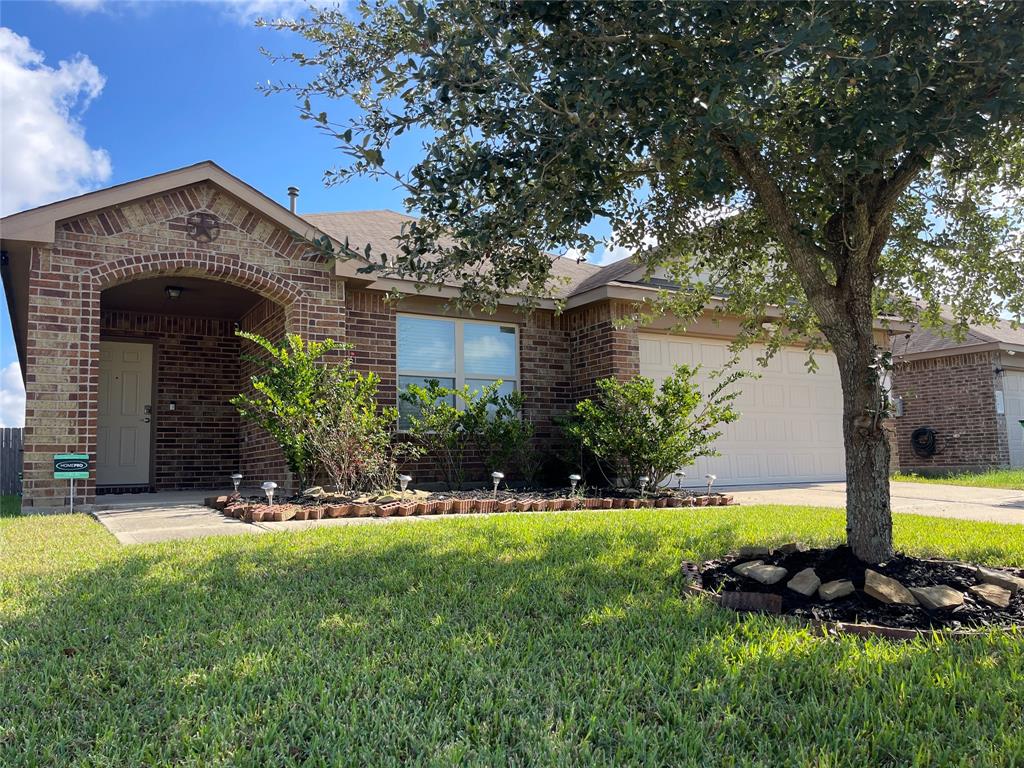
[293,194]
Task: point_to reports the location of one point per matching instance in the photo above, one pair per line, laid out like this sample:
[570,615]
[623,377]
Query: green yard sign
[71,466]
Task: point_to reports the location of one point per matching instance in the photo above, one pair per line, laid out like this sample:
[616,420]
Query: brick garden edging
[257,512]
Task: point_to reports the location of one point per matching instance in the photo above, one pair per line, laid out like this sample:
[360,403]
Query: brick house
[969,392]
[125,302]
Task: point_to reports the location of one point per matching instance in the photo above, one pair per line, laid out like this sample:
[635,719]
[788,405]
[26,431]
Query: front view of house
[125,304]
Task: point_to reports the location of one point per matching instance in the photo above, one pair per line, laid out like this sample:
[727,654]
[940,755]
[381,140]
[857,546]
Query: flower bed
[255,509]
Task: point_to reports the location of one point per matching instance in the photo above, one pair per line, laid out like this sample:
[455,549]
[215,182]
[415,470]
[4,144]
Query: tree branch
[805,256]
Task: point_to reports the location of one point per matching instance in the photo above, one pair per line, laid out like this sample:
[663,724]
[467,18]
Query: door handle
[146,420]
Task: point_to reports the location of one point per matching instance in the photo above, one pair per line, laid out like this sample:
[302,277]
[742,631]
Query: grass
[1011,479]
[519,640]
[10,506]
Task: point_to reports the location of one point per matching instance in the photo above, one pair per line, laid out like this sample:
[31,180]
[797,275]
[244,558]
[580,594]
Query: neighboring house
[969,392]
[125,301]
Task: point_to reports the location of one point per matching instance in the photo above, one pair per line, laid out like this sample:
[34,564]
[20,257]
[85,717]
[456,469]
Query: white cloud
[44,155]
[242,11]
[12,397]
[84,6]
[609,251]
[247,11]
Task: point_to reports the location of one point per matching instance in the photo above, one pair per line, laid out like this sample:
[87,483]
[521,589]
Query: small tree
[286,391]
[634,429]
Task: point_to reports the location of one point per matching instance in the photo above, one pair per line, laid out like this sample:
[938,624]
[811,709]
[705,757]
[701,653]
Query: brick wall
[260,457]
[143,239]
[196,367]
[599,346]
[954,395]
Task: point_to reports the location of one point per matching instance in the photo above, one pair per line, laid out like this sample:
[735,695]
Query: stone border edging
[832,628]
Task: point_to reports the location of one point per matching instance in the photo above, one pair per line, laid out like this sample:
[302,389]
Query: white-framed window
[456,353]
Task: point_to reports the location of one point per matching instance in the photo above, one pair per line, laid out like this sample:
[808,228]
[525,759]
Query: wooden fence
[10,460]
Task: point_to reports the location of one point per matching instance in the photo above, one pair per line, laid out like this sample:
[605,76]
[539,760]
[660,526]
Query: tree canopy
[831,161]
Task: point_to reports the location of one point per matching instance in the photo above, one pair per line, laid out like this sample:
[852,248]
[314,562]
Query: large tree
[829,162]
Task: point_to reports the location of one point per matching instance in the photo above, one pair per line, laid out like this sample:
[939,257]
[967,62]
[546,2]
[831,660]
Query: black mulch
[860,608]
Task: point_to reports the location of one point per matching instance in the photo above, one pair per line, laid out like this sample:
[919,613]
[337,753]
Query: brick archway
[170,376]
[226,269]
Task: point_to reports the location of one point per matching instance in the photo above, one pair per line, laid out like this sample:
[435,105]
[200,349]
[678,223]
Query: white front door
[123,429]
[1013,403]
[790,428]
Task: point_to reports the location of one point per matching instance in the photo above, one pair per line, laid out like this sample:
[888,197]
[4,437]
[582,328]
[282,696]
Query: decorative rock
[886,590]
[833,590]
[791,547]
[938,598]
[1000,579]
[767,574]
[806,582]
[314,493]
[754,551]
[743,569]
[992,594]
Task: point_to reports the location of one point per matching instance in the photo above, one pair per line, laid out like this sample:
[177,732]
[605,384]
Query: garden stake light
[679,478]
[644,480]
[268,488]
[403,482]
[573,479]
[711,479]
[497,477]
[236,479]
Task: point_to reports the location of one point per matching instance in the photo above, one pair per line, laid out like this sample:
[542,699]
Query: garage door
[790,427]
[1013,398]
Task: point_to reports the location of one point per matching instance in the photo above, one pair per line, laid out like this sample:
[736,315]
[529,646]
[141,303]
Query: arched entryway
[169,361]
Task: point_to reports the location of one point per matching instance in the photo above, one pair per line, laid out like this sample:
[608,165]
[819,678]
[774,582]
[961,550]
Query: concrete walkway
[149,517]
[955,501]
[144,518]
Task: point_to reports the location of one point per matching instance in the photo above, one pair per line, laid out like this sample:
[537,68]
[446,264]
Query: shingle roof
[923,340]
[378,229]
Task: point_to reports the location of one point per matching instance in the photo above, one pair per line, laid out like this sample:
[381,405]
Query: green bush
[288,389]
[324,416]
[448,423]
[349,435]
[634,429]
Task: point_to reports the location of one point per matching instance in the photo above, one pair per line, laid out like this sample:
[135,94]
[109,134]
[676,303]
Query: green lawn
[1012,479]
[511,640]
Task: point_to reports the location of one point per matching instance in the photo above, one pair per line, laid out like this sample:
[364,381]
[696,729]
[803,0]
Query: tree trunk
[868,510]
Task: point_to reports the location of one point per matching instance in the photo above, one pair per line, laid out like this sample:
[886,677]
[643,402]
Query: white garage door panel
[1013,402]
[790,425]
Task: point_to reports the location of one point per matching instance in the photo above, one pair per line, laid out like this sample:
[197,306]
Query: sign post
[71,466]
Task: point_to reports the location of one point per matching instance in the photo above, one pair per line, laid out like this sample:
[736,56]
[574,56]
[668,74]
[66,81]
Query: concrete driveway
[957,501]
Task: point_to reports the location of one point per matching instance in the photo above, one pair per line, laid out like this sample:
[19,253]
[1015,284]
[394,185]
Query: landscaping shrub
[634,429]
[324,416]
[447,423]
[286,391]
[349,434]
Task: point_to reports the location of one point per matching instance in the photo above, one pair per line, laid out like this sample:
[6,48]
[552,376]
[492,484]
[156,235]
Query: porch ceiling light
[173,292]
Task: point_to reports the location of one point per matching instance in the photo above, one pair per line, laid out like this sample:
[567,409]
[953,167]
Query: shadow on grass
[462,644]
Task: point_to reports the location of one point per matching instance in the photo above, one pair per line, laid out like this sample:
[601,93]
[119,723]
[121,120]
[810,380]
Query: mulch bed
[717,578]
